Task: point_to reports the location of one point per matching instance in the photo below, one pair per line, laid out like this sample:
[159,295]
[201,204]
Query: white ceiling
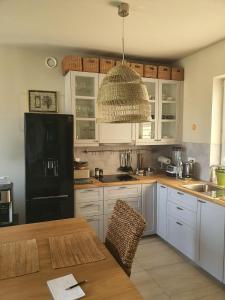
[156,29]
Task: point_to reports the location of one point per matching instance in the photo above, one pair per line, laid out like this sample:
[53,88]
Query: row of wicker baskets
[103,65]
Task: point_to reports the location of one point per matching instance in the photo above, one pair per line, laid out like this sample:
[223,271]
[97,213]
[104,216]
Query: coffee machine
[173,168]
[6,204]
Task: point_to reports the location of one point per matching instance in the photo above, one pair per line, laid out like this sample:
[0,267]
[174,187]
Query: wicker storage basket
[106,65]
[164,72]
[90,64]
[139,68]
[119,62]
[150,71]
[71,63]
[177,74]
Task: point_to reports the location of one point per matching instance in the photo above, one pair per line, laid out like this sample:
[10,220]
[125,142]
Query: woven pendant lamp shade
[123,97]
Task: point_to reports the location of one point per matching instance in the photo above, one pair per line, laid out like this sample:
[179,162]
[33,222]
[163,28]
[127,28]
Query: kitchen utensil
[176,155]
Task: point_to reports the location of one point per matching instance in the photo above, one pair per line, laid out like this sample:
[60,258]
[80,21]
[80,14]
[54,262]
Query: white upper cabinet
[169,94]
[81,94]
[147,133]
[81,90]
[165,98]
[115,133]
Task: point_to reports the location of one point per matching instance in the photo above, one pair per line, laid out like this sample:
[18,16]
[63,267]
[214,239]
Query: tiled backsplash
[108,157]
[201,153]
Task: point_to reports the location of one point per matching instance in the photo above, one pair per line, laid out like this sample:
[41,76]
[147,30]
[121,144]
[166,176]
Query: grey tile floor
[161,273]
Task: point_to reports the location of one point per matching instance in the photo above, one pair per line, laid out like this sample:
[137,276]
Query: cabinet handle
[179,223]
[122,187]
[179,193]
[91,219]
[86,191]
[157,140]
[201,201]
[162,186]
[179,208]
[87,205]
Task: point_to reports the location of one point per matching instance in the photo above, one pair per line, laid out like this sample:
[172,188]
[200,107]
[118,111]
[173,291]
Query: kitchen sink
[206,188]
[200,187]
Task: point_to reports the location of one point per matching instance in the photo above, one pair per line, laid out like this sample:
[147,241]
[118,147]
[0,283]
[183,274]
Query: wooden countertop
[158,178]
[106,280]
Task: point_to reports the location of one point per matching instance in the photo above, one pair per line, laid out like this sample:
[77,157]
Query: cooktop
[116,178]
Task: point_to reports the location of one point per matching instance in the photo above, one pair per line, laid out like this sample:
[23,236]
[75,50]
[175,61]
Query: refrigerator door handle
[50,197]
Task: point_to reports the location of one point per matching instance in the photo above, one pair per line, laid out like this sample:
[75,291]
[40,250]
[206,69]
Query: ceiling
[155,29]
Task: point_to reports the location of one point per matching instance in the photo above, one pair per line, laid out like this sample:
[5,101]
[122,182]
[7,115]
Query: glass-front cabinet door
[146,133]
[168,111]
[84,107]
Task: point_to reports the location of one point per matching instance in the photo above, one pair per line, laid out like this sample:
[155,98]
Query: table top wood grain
[106,280]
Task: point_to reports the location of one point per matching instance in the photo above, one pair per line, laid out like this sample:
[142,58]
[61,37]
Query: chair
[124,232]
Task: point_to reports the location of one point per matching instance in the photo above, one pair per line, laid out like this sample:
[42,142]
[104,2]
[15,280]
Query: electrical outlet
[191,158]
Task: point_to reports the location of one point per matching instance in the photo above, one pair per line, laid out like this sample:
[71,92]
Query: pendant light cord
[123,40]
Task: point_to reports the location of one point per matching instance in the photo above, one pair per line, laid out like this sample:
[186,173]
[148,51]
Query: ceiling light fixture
[123,96]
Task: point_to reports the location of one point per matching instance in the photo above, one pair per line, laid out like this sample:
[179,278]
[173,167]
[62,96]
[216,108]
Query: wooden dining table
[106,280]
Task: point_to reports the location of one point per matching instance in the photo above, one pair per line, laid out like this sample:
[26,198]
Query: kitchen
[23,68]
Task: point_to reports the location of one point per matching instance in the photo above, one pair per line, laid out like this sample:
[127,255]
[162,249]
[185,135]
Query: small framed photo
[43,101]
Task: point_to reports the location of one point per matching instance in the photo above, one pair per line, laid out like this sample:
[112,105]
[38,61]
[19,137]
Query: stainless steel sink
[200,187]
[205,188]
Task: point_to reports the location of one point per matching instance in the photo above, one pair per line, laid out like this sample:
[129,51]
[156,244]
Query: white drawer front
[89,208]
[182,237]
[135,203]
[96,222]
[122,192]
[182,213]
[89,195]
[183,199]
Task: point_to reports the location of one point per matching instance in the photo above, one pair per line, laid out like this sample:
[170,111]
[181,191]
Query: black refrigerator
[48,167]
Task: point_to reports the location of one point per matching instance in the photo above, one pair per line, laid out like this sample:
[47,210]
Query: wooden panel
[18,258]
[74,249]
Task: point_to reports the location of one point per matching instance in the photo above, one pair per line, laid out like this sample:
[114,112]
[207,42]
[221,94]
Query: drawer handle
[201,201]
[162,186]
[122,187]
[91,219]
[179,208]
[179,193]
[178,223]
[86,191]
[88,205]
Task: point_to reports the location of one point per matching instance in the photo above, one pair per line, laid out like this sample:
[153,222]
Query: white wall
[22,69]
[200,70]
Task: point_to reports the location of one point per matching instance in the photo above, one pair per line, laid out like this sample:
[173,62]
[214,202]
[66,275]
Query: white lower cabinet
[96,223]
[89,204]
[182,237]
[149,208]
[162,210]
[211,219]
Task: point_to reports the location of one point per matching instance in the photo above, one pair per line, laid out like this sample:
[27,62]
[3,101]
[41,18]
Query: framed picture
[42,101]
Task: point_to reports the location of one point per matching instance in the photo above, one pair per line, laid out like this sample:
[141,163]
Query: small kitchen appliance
[173,168]
[188,169]
[6,204]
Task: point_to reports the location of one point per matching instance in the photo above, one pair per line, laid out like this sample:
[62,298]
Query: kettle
[188,169]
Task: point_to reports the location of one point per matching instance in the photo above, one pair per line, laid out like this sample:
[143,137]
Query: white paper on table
[58,287]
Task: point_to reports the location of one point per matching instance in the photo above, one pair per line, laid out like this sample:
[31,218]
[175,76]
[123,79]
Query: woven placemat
[18,258]
[74,249]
